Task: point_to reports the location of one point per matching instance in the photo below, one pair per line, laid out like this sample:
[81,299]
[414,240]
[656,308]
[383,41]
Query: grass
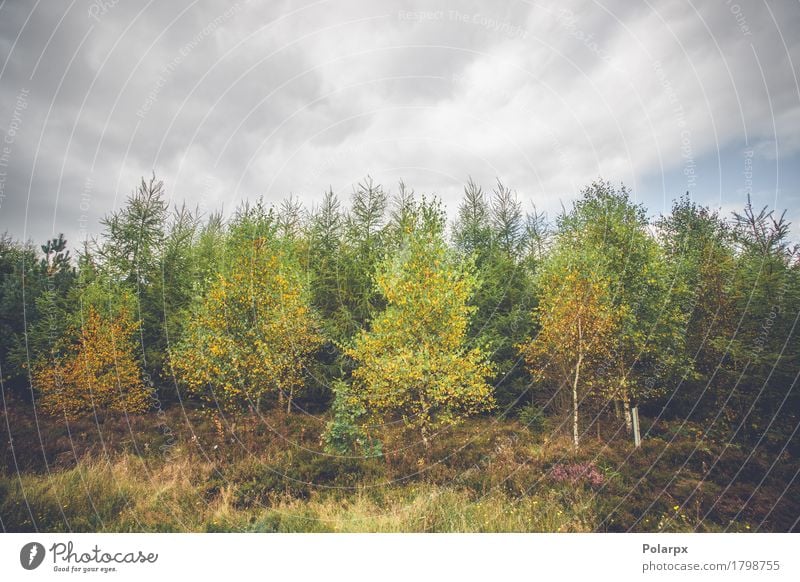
[267,475]
[113,497]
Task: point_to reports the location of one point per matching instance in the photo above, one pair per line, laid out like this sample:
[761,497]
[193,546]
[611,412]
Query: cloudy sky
[227,101]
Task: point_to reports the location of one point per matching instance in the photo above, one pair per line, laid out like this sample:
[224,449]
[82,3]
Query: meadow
[488,475]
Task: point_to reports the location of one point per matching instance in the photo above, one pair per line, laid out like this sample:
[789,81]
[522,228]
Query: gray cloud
[227,101]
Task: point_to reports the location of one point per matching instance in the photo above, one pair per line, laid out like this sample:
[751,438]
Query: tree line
[382,311]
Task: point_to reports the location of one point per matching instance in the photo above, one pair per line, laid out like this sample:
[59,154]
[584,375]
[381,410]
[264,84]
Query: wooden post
[637,437]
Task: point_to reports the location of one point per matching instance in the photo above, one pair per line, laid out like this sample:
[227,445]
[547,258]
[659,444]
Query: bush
[532,416]
[102,358]
[343,435]
[575,473]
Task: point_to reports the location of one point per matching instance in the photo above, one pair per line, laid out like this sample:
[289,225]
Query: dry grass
[126,496]
[484,476]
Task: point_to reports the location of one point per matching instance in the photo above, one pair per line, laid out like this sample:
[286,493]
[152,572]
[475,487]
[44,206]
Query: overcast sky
[230,101]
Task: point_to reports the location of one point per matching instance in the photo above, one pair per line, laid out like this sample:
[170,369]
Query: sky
[231,101]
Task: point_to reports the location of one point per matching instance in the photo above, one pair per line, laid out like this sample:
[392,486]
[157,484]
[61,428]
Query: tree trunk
[617,413]
[575,399]
[626,403]
[289,401]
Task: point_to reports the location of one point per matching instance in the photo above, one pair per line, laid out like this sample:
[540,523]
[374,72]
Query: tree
[362,250]
[96,372]
[135,235]
[165,302]
[698,246]
[742,298]
[35,305]
[324,240]
[413,362]
[130,253]
[254,331]
[507,221]
[290,218]
[472,232]
[490,232]
[762,356]
[207,253]
[577,322]
[648,345]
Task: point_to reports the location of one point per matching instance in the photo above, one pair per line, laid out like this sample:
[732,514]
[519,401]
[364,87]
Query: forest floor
[189,470]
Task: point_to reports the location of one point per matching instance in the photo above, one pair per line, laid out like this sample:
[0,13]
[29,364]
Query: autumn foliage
[577,322]
[252,334]
[414,362]
[96,372]
[378,311]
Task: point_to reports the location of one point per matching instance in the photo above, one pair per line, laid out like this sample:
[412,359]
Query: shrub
[99,371]
[343,435]
[532,416]
[575,473]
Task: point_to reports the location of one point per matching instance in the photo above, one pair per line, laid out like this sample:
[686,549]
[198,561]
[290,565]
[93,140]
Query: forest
[369,364]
